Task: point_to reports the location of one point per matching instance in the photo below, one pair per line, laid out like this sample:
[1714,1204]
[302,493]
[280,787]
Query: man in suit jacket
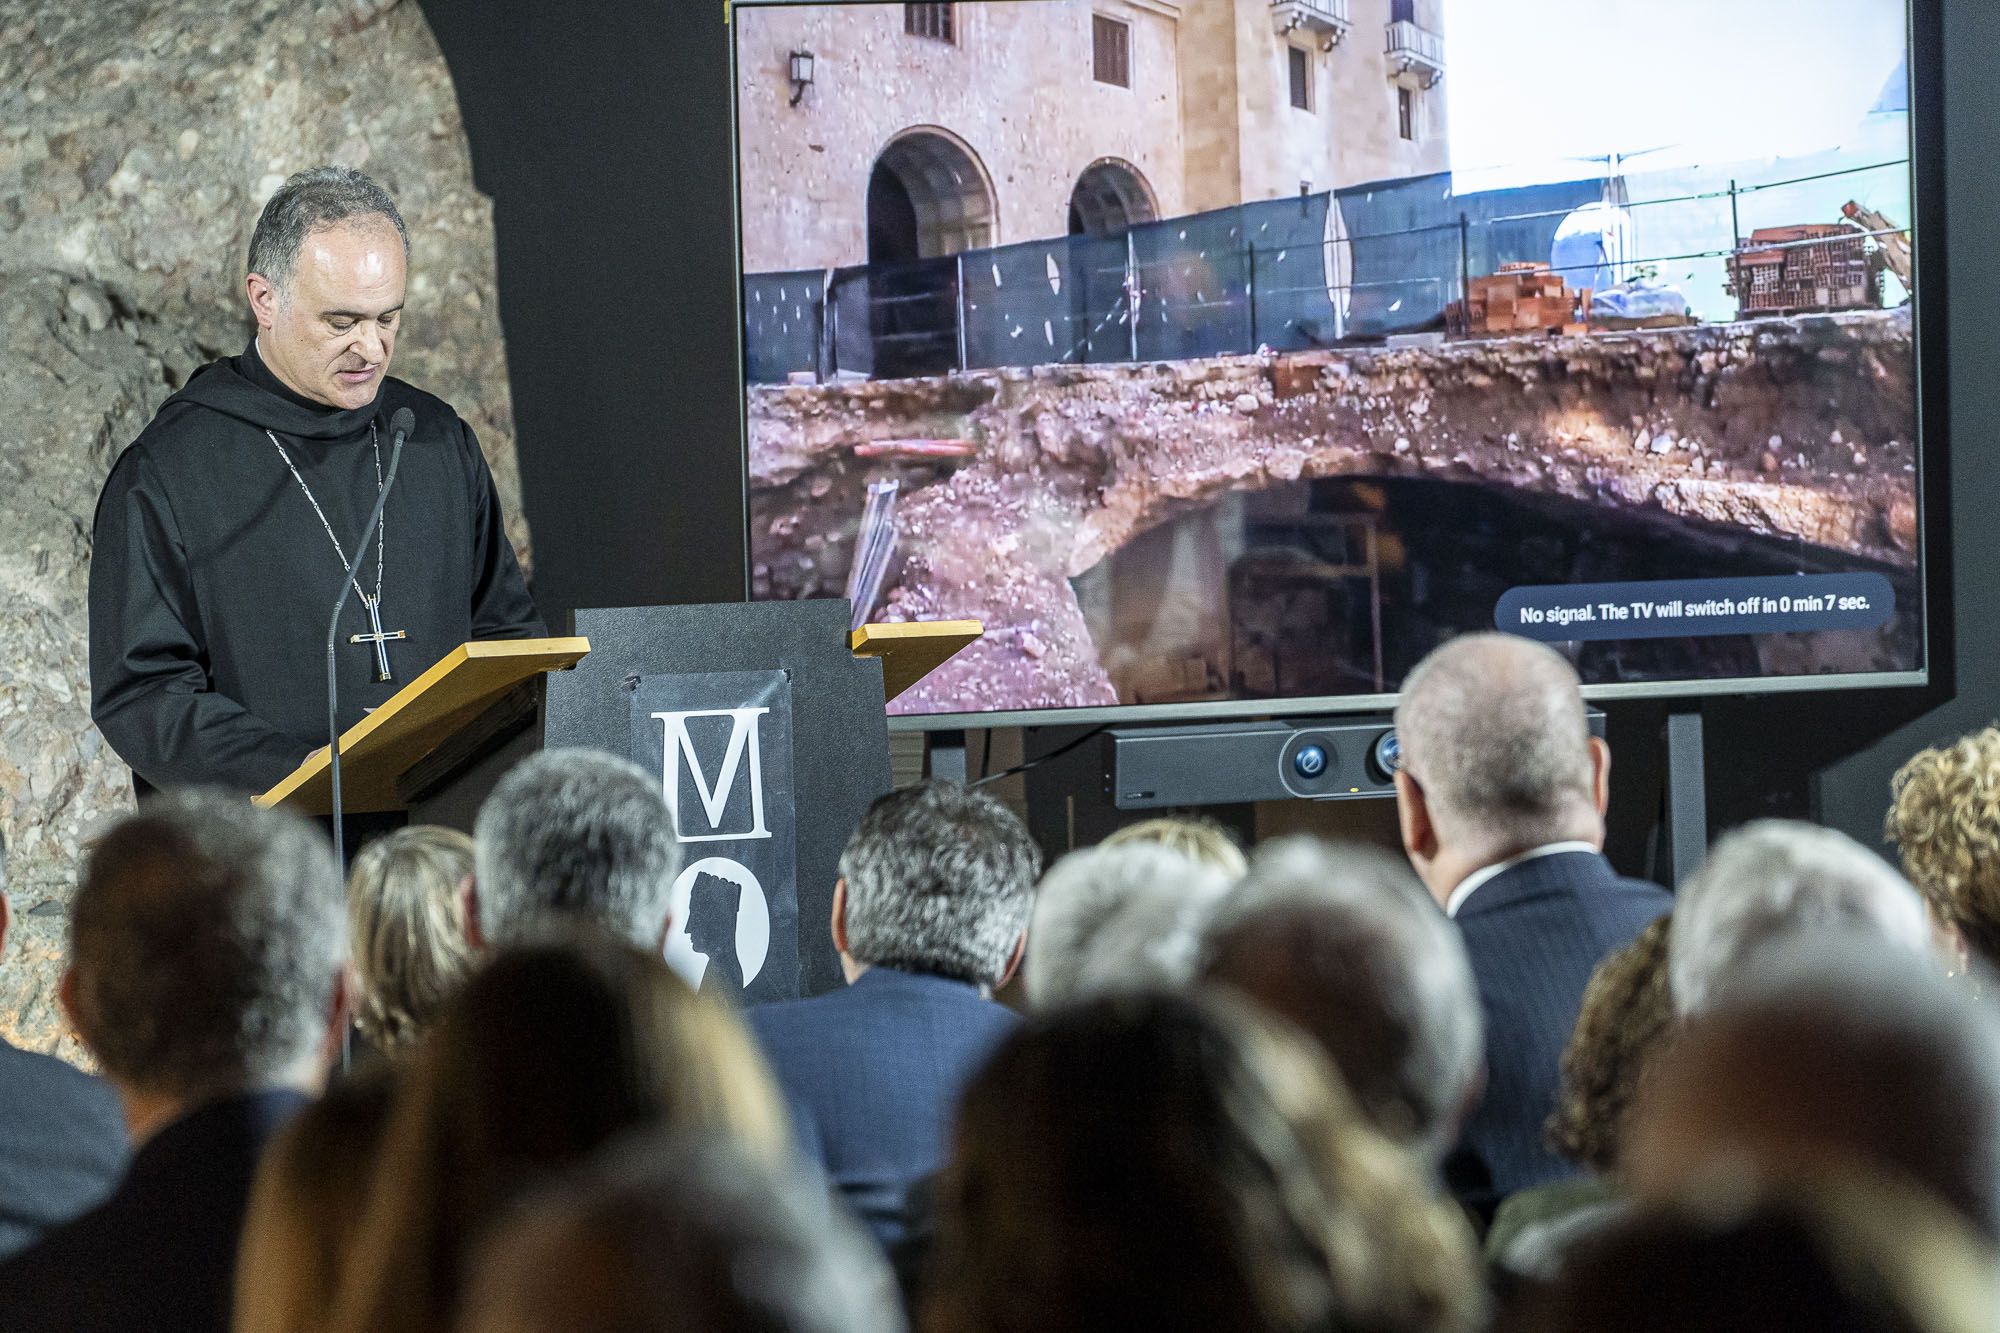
[208,951]
[1501,793]
[62,1141]
[930,915]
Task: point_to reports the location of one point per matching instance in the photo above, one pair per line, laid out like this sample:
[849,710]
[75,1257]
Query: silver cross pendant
[379,637]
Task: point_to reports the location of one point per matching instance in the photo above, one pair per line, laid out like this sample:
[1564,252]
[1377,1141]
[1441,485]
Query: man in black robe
[223,531]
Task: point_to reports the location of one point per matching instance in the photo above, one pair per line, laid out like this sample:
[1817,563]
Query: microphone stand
[400,426]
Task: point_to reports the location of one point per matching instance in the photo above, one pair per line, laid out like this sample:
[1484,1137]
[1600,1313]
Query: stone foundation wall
[137,143]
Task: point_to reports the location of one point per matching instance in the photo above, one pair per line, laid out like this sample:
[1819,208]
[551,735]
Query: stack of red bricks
[1520,298]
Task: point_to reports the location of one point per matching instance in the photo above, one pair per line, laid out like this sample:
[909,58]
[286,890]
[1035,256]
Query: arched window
[1110,198]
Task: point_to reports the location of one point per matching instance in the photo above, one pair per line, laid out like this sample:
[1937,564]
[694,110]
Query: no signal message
[1696,608]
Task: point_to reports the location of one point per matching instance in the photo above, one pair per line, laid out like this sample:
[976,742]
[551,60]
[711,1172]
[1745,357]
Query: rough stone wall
[138,139]
[1790,429]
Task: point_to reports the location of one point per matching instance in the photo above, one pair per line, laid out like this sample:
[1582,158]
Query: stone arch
[1110,197]
[928,196]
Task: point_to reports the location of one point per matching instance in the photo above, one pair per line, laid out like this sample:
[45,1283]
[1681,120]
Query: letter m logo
[682,757]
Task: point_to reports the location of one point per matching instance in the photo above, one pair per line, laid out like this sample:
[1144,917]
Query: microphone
[400,426]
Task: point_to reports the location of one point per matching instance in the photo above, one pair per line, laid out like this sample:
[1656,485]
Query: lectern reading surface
[378,749]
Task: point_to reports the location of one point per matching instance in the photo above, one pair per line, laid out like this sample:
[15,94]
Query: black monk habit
[211,578]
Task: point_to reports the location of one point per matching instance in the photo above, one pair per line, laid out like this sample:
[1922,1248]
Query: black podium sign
[805,770]
[831,732]
[722,745]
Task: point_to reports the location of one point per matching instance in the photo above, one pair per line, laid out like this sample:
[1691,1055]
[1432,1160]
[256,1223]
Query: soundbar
[1156,768]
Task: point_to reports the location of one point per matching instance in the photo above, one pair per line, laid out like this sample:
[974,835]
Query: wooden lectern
[441,743]
[418,719]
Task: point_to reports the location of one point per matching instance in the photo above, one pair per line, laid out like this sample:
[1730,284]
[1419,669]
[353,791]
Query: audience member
[1628,1012]
[62,1140]
[1844,1256]
[207,974]
[1179,1162]
[406,918]
[304,1219]
[1501,792]
[1110,918]
[1774,879]
[1946,823]
[1832,1050]
[1203,840]
[929,916]
[1342,940]
[573,837]
[547,1053]
[680,1234]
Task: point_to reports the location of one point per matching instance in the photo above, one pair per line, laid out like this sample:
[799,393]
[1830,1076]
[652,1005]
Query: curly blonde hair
[1945,820]
[1627,1017]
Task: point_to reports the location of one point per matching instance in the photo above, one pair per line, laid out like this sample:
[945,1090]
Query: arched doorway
[928,199]
[1109,199]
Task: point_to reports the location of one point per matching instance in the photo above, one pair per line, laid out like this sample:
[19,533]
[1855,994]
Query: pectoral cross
[379,637]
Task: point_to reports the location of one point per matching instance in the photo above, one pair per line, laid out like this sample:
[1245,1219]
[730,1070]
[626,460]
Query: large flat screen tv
[1226,356]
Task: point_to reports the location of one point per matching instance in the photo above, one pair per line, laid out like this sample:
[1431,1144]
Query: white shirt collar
[1478,877]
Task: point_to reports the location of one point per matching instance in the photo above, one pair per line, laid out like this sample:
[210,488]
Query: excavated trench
[1093,517]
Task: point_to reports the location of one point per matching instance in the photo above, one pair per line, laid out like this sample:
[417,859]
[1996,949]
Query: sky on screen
[1538,87]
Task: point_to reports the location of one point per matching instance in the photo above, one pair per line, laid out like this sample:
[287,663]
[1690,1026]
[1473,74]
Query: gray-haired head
[314,198]
[1341,939]
[940,878]
[1493,728]
[1831,1049]
[681,1232]
[1118,918]
[1773,879]
[205,944]
[575,837]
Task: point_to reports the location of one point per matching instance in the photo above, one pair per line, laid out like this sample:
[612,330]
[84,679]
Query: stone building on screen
[927,129]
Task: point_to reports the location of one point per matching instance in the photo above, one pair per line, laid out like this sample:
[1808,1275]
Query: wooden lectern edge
[320,760]
[930,642]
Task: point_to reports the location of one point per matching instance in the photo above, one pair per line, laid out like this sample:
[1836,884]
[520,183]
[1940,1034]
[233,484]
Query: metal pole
[1686,813]
[1132,292]
[1250,291]
[958,303]
[1465,261]
[1735,224]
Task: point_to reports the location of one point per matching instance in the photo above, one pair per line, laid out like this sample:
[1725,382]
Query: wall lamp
[802,74]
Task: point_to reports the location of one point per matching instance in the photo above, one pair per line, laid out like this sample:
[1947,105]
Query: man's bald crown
[1493,728]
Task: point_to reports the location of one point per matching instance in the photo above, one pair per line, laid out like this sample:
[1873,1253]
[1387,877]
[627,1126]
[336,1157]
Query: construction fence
[1282,275]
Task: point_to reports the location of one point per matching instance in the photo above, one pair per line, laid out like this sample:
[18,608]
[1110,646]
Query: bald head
[1493,731]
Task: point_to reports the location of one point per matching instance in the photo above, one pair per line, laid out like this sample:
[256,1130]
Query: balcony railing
[1415,53]
[1329,18]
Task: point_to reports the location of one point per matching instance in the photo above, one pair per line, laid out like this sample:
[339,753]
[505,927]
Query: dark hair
[1772,1267]
[547,1053]
[205,939]
[1173,1161]
[680,1233]
[314,198]
[1628,1010]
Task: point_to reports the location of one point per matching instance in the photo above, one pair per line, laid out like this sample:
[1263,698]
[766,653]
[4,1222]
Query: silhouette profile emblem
[713,903]
[721,934]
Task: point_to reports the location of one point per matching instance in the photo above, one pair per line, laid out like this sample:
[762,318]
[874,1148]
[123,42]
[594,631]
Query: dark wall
[1853,790]
[602,131]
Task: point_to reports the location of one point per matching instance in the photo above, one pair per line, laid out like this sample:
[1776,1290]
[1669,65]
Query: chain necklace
[372,605]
